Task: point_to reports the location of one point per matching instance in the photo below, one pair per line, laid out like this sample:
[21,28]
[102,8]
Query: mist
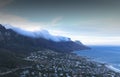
[37,34]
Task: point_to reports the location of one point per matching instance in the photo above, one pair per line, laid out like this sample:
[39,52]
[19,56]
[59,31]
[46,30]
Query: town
[53,64]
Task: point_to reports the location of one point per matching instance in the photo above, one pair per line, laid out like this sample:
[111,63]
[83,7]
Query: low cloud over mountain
[20,40]
[38,34]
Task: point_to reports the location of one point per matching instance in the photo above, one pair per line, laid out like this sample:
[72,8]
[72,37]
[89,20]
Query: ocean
[110,55]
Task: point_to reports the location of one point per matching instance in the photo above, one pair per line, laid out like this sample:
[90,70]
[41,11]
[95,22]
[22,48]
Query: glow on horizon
[87,40]
[91,40]
[94,40]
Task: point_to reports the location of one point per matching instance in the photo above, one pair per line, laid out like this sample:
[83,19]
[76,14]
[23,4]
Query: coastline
[113,68]
[107,65]
[49,63]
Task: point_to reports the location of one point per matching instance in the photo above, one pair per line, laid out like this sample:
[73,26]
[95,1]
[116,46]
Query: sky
[93,22]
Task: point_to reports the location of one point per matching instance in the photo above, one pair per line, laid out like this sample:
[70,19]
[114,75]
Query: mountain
[14,45]
[10,39]
[38,34]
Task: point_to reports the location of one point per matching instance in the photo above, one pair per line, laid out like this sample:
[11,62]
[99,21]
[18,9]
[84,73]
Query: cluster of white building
[53,64]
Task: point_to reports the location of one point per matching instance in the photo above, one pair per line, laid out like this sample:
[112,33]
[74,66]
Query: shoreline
[113,68]
[49,63]
[107,65]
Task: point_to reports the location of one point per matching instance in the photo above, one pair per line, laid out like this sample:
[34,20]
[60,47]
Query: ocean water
[104,54]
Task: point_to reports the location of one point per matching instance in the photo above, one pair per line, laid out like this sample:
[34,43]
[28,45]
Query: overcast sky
[90,21]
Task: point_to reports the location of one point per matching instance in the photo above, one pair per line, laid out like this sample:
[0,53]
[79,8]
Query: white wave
[113,68]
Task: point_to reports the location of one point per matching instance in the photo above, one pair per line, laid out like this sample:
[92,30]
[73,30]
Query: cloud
[3,3]
[28,28]
[55,21]
[38,34]
[20,22]
[23,23]
[100,25]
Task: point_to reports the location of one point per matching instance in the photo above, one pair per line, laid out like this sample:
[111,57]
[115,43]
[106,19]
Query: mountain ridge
[10,39]
[38,34]
[14,47]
